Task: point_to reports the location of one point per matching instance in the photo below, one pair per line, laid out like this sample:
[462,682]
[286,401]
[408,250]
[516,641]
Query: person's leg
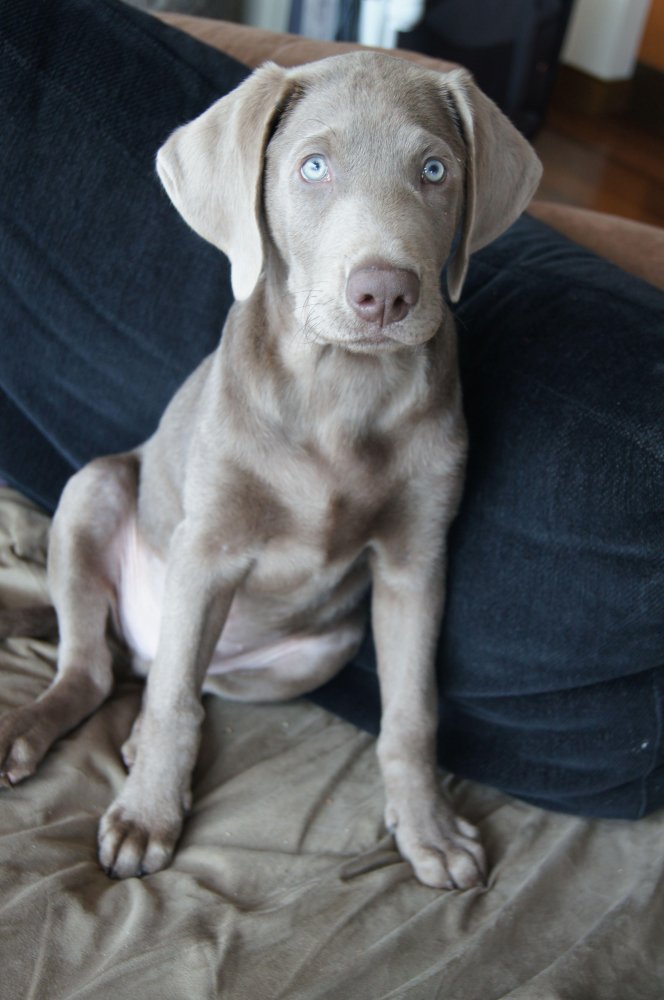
[551,660]
[107,300]
[553,652]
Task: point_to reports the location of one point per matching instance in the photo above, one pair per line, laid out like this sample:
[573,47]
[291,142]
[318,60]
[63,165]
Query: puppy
[315,457]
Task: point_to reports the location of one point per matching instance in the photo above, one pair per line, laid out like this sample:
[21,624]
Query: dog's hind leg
[83,570]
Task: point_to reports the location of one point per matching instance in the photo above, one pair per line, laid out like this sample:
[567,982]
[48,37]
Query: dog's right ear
[212,171]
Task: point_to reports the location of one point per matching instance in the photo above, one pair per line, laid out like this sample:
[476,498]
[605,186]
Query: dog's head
[362,176]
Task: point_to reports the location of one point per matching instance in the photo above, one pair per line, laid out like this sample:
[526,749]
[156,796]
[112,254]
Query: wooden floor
[606,163]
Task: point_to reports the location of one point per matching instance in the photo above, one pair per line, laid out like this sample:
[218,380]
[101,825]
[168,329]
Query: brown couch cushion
[254,46]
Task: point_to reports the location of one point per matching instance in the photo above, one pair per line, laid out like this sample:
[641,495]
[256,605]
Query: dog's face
[363,194]
[361,176]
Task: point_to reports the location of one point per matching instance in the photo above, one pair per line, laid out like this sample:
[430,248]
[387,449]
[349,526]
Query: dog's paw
[24,741]
[444,850]
[137,841]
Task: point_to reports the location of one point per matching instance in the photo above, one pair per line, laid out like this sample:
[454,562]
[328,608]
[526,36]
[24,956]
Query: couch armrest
[634,246]
[254,46]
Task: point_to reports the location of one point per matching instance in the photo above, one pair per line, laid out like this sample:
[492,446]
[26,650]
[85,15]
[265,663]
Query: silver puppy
[319,449]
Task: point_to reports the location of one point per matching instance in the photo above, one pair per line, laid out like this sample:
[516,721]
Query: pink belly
[140,596]
[241,646]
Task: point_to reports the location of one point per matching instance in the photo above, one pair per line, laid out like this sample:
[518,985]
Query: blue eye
[433,171]
[315,169]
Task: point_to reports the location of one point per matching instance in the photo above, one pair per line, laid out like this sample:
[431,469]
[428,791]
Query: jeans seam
[657,742]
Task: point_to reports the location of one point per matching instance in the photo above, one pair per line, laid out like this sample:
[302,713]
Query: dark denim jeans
[551,658]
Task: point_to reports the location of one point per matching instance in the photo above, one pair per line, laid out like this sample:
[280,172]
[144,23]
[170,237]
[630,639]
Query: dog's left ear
[212,171]
[502,172]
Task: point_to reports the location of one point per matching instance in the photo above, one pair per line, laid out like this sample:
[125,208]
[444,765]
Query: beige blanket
[285,884]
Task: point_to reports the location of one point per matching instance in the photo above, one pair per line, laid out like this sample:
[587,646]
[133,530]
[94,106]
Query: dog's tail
[39,622]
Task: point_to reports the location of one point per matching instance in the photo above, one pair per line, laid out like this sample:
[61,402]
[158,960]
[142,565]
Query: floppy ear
[212,171]
[502,172]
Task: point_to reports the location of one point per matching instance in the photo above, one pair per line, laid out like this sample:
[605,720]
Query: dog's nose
[382,294]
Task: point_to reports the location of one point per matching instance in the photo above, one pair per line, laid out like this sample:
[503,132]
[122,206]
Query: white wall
[603,37]
[382,20]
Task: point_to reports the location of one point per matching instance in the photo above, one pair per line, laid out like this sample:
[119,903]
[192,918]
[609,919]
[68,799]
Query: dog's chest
[311,521]
[306,528]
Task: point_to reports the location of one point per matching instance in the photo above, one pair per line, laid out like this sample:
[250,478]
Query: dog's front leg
[138,833]
[407,602]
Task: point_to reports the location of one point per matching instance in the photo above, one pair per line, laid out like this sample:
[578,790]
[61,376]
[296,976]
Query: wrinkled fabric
[285,884]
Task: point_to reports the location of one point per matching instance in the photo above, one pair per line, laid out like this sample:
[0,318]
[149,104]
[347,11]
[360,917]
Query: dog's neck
[302,384]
